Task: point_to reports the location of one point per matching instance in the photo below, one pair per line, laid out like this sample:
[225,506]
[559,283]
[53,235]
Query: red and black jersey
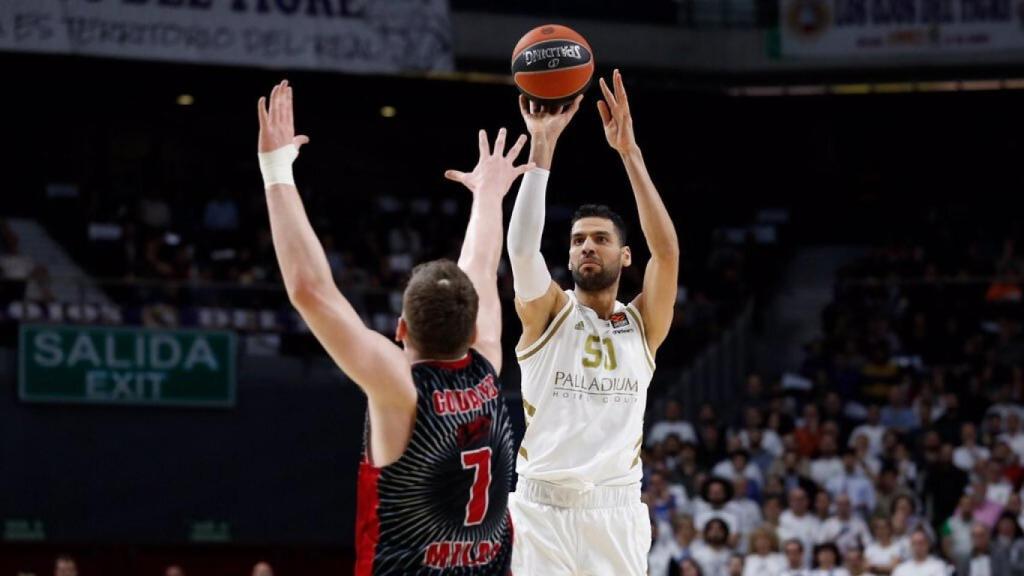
[442,506]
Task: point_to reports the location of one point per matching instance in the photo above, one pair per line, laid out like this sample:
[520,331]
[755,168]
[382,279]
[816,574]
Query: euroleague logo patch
[618,320]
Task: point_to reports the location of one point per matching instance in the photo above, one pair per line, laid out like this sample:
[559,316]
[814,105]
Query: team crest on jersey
[618,320]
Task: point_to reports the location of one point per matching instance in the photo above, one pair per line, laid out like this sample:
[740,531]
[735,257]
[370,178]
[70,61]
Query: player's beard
[595,281]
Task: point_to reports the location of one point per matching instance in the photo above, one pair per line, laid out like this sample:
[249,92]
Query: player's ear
[402,330]
[627,257]
[473,336]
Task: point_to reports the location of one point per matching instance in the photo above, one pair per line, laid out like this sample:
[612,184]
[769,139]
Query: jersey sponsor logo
[606,390]
[455,554]
[452,402]
[580,326]
[619,319]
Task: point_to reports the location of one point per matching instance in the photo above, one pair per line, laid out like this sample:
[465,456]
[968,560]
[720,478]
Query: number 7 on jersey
[479,493]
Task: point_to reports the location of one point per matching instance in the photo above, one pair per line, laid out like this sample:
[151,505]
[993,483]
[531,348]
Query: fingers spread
[513,152]
[499,142]
[620,91]
[262,104]
[608,96]
[602,109]
[485,149]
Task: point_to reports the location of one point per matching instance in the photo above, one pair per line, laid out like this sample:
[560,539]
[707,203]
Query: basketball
[551,64]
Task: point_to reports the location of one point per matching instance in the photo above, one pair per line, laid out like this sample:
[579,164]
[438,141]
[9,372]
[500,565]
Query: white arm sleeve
[530,274]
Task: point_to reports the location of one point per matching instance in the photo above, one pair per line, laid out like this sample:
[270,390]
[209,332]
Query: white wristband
[276,165]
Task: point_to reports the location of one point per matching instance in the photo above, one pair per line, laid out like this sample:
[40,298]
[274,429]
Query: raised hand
[614,111]
[277,124]
[546,123]
[494,171]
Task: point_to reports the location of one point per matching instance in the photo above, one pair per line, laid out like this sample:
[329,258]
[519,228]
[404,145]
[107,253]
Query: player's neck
[416,357]
[602,301]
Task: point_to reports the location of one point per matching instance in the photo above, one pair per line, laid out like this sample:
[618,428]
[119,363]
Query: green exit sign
[134,366]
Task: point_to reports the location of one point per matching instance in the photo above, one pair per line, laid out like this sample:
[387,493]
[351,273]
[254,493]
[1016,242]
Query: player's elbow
[305,293]
[666,251]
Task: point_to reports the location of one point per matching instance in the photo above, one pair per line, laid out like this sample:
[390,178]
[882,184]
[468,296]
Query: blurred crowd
[896,448]
[66,565]
[166,253]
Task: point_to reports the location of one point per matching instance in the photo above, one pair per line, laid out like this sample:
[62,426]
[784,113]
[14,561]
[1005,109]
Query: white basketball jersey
[584,388]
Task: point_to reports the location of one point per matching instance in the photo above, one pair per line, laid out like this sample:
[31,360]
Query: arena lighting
[805,90]
[991,84]
[973,85]
[388,111]
[945,86]
[850,89]
[185,100]
[893,88]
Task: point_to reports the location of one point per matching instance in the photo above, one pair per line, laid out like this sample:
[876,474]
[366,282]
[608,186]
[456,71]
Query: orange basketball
[551,64]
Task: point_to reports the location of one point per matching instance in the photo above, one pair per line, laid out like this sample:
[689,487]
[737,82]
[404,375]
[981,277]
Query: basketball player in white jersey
[586,361]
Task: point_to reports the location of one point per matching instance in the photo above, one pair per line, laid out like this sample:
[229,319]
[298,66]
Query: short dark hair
[831,547]
[602,211]
[439,306]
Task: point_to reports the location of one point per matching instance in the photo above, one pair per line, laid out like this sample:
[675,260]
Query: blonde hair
[767,532]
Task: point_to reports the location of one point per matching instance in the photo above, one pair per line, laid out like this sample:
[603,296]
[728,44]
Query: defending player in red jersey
[433,486]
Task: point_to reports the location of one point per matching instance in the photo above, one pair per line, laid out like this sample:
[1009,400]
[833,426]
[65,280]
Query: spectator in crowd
[65,566]
[855,483]
[736,565]
[672,424]
[897,415]
[822,506]
[738,465]
[686,567]
[798,523]
[921,562]
[999,488]
[827,464]
[262,569]
[686,534]
[826,561]
[855,563]
[985,510]
[663,500]
[808,434]
[715,503]
[1007,546]
[943,484]
[796,563]
[884,553]
[764,558]
[754,426]
[663,549]
[174,570]
[745,509]
[979,560]
[958,534]
[712,553]
[868,462]
[872,429]
[773,510]
[846,529]
[1014,433]
[888,490]
[793,470]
